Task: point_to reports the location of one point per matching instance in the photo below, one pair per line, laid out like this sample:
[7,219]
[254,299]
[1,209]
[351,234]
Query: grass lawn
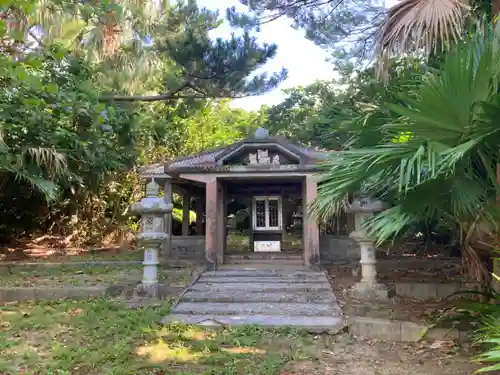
[29,276]
[103,337]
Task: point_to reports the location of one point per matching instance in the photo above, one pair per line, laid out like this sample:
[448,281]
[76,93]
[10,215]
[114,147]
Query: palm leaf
[446,168]
[413,25]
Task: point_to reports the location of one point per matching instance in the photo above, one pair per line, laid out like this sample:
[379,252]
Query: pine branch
[147,98]
[165,97]
[174,95]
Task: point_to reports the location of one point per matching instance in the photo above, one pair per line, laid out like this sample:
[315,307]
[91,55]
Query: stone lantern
[152,210]
[364,209]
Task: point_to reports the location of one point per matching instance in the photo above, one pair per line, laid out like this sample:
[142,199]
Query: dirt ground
[48,254]
[58,249]
[390,272]
[408,269]
[347,356]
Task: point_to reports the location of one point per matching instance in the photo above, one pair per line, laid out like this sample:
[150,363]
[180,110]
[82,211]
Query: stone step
[262,279]
[264,262]
[257,286]
[269,266]
[318,324]
[244,272]
[257,308]
[238,296]
[265,256]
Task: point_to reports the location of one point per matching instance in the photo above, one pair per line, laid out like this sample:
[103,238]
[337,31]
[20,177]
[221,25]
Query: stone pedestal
[152,235]
[367,287]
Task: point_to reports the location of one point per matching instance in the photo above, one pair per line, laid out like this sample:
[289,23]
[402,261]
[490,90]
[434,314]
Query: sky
[304,60]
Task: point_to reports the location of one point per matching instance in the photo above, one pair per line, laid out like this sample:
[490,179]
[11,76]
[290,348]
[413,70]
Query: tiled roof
[311,152]
[209,158]
[206,158]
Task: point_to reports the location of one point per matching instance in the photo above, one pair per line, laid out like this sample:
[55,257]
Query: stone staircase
[260,295]
[278,259]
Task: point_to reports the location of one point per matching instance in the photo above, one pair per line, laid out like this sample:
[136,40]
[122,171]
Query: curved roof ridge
[211,157]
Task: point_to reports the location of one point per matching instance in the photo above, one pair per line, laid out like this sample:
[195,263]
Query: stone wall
[332,248]
[188,247]
[335,249]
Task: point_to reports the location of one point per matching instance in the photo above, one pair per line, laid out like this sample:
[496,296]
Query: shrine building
[256,190]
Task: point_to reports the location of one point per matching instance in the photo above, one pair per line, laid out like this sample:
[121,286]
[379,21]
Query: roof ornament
[261,133]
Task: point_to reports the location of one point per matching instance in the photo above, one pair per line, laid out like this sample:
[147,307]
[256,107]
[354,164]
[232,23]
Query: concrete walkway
[289,296]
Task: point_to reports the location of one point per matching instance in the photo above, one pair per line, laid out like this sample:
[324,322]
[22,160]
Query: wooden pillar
[250,225]
[221,222]
[211,237]
[310,224]
[185,213]
[200,208]
[167,196]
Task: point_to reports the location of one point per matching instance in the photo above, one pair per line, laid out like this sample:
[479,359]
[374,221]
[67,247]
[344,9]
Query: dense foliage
[440,142]
[92,90]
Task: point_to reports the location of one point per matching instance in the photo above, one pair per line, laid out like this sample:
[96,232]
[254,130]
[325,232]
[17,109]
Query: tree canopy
[92,90]
[346,28]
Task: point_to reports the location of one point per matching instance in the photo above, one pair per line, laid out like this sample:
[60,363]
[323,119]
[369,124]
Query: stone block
[88,292]
[188,247]
[325,324]
[445,290]
[50,293]
[381,329]
[116,290]
[428,290]
[123,289]
[411,332]
[69,292]
[442,334]
[257,308]
[18,294]
[375,292]
[417,290]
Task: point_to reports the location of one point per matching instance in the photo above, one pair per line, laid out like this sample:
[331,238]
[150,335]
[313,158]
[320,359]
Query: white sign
[267,246]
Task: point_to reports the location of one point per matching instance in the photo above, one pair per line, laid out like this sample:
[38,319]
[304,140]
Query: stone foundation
[188,248]
[432,290]
[335,249]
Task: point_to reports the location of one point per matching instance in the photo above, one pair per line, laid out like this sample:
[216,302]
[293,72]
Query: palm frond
[413,25]
[49,189]
[48,158]
[444,166]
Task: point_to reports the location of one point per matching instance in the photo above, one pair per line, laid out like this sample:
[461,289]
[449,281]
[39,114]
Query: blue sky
[305,61]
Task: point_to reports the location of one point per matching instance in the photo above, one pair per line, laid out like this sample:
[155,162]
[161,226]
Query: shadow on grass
[104,337]
[246,350]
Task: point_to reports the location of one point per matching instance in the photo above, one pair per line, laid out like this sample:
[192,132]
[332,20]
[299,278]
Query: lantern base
[370,291]
[146,295]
